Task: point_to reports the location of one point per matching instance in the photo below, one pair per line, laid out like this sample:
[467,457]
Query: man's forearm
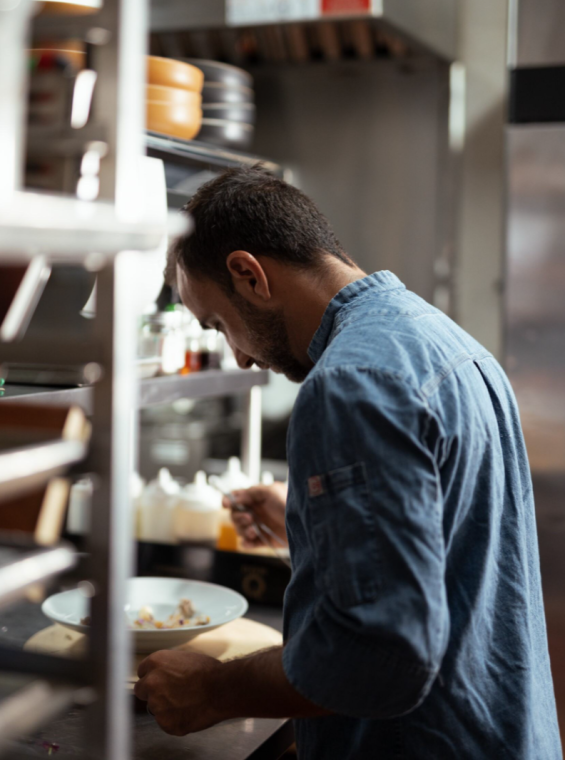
[257,687]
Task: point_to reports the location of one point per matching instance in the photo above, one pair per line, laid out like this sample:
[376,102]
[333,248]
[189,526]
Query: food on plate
[185,615]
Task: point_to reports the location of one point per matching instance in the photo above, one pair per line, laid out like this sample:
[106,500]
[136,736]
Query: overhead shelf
[22,566]
[69,229]
[152,391]
[431,24]
[199,154]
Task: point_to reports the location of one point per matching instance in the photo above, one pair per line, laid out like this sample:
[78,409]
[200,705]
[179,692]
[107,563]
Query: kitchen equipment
[264,533]
[198,511]
[162,595]
[174,119]
[227,134]
[239,638]
[163,94]
[173,73]
[216,92]
[223,73]
[242,112]
[156,509]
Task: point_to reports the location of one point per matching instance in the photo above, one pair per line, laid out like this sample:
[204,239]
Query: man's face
[256,335]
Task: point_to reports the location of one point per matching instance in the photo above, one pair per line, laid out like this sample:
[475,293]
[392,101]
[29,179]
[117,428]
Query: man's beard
[268,334]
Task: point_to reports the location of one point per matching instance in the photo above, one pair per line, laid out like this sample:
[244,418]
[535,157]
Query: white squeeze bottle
[157,509]
[198,510]
[234,479]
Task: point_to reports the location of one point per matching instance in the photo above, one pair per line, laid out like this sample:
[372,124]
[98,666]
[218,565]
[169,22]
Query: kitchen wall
[535,297]
[363,140]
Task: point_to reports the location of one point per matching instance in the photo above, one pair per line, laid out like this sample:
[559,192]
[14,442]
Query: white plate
[220,604]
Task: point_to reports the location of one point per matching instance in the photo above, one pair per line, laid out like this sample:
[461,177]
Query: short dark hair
[248,209]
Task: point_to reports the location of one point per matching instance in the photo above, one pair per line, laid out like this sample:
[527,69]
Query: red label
[315,486]
[346,6]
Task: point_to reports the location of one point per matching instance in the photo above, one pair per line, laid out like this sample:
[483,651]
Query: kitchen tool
[162,94]
[223,73]
[226,134]
[216,92]
[162,595]
[243,112]
[239,638]
[174,119]
[198,511]
[173,73]
[265,534]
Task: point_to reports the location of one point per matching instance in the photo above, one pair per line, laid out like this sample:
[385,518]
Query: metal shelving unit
[199,154]
[107,236]
[28,468]
[152,391]
[22,566]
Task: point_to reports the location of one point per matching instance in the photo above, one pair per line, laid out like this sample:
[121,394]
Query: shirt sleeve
[367,489]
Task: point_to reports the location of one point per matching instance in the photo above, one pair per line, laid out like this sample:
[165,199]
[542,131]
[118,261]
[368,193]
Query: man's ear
[249,277]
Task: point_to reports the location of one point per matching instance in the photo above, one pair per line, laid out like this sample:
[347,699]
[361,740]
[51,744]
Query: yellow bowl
[158,93]
[174,119]
[75,8]
[171,73]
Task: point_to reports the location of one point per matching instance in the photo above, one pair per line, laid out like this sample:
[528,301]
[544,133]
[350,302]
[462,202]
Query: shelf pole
[118,103]
[111,532]
[14,24]
[251,435]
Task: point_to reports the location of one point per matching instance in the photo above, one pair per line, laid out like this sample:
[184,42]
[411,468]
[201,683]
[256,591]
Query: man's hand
[179,690]
[189,692]
[266,504]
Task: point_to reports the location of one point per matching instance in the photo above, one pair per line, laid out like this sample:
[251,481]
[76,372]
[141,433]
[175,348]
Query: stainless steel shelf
[28,704]
[153,391]
[70,229]
[22,566]
[194,153]
[28,468]
[164,390]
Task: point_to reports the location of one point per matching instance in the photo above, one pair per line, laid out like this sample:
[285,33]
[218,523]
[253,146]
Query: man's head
[255,239]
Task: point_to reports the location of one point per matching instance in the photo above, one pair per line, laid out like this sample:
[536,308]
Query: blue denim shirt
[415,610]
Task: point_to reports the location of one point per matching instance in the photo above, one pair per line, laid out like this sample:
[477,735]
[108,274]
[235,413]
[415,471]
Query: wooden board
[236,639]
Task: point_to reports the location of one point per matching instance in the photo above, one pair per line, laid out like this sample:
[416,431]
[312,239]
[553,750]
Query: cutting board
[236,639]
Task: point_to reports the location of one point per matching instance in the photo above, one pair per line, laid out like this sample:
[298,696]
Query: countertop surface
[259,739]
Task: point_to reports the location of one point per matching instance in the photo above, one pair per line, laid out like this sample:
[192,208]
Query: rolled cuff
[353,673]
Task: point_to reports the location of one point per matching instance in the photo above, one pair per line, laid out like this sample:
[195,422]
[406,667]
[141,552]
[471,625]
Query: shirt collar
[381,281]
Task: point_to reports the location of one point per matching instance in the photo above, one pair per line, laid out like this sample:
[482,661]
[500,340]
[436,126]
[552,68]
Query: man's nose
[243,360]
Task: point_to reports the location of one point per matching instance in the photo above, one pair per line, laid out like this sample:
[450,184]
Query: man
[414,622]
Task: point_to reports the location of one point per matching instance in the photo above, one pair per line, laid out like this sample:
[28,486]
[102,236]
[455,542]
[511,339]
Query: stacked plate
[227,105]
[174,100]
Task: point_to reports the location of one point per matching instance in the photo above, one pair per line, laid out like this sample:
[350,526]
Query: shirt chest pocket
[343,533]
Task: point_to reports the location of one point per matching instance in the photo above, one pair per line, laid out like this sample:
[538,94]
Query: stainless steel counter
[254,739]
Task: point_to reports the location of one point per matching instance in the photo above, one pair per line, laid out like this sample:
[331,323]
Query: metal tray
[232,134]
[243,112]
[216,92]
[214,71]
